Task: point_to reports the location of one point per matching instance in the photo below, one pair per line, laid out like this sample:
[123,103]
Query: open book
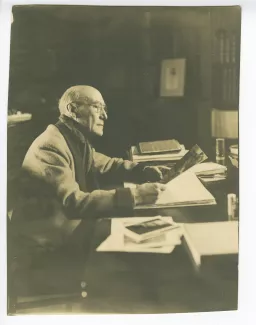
[184,190]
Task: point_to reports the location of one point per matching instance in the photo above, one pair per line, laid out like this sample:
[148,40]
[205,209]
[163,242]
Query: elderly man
[59,193]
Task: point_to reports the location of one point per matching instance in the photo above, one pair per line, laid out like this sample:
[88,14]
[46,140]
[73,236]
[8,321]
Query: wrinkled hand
[147,193]
[155,173]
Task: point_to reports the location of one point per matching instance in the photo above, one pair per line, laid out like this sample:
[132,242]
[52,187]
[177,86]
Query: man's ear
[72,109]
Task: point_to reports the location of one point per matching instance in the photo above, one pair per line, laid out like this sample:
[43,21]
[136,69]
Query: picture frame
[172,83]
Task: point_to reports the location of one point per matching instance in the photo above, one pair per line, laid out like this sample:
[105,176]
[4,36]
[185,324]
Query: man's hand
[147,193]
[155,173]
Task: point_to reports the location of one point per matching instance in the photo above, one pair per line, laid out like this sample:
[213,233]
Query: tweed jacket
[51,206]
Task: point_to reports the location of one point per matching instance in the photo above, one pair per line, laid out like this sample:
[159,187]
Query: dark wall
[119,51]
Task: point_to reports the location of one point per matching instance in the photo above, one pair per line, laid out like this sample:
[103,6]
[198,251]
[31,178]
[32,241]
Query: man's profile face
[92,114]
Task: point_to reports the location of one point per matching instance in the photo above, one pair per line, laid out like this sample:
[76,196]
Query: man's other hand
[155,173]
[147,193]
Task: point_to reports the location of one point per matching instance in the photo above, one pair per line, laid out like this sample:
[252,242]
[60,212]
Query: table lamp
[224,129]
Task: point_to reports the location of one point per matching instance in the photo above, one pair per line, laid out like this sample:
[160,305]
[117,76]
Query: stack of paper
[184,190]
[208,168]
[119,242]
[174,156]
[209,171]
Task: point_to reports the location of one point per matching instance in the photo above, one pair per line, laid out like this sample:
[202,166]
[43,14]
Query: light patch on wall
[173,77]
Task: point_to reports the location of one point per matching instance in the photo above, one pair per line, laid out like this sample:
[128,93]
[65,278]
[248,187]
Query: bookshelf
[226,30]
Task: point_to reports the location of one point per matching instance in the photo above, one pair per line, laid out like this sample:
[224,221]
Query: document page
[185,188]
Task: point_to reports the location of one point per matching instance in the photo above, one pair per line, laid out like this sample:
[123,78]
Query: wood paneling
[119,50]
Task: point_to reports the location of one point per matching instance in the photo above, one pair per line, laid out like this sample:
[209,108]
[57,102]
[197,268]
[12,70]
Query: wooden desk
[149,283]
[158,283]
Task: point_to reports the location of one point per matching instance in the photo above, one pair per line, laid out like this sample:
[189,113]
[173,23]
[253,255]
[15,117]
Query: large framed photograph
[172,77]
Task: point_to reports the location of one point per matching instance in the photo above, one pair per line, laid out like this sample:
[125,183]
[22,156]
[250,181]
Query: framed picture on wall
[172,81]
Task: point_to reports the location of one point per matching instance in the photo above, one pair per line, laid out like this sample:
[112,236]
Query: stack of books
[143,235]
[155,151]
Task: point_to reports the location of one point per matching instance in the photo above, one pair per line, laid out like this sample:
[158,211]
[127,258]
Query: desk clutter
[200,240]
[183,185]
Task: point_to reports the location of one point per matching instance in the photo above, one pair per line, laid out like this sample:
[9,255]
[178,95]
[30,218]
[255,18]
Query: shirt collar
[74,127]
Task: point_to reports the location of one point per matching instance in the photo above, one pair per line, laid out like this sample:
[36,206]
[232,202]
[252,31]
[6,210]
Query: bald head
[78,94]
[85,105]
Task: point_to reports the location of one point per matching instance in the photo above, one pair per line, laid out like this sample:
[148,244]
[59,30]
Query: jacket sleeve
[53,165]
[124,169]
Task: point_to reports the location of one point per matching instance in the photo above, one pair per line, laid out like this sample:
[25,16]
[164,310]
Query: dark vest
[86,178]
[82,154]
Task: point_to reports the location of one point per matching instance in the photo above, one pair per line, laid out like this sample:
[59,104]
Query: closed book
[210,240]
[159,146]
[136,156]
[148,229]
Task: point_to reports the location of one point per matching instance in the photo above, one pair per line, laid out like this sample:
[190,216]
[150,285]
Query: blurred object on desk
[232,207]
[233,155]
[220,151]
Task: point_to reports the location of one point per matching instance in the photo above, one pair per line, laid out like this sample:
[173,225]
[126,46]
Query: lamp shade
[225,124]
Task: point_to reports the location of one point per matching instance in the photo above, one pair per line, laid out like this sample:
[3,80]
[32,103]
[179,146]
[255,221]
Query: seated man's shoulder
[50,137]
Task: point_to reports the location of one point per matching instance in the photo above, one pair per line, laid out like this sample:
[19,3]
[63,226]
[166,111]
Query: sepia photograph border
[247,118]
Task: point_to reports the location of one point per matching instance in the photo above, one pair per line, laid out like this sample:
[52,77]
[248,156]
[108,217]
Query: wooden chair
[65,295]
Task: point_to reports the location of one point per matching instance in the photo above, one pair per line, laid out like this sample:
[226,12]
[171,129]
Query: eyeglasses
[99,107]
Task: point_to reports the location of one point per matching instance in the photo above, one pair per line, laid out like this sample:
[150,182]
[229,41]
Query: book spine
[194,255]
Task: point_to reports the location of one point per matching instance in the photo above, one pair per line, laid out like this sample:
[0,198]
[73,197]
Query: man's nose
[103,114]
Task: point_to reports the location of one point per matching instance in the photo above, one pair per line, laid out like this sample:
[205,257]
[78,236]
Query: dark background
[119,51]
